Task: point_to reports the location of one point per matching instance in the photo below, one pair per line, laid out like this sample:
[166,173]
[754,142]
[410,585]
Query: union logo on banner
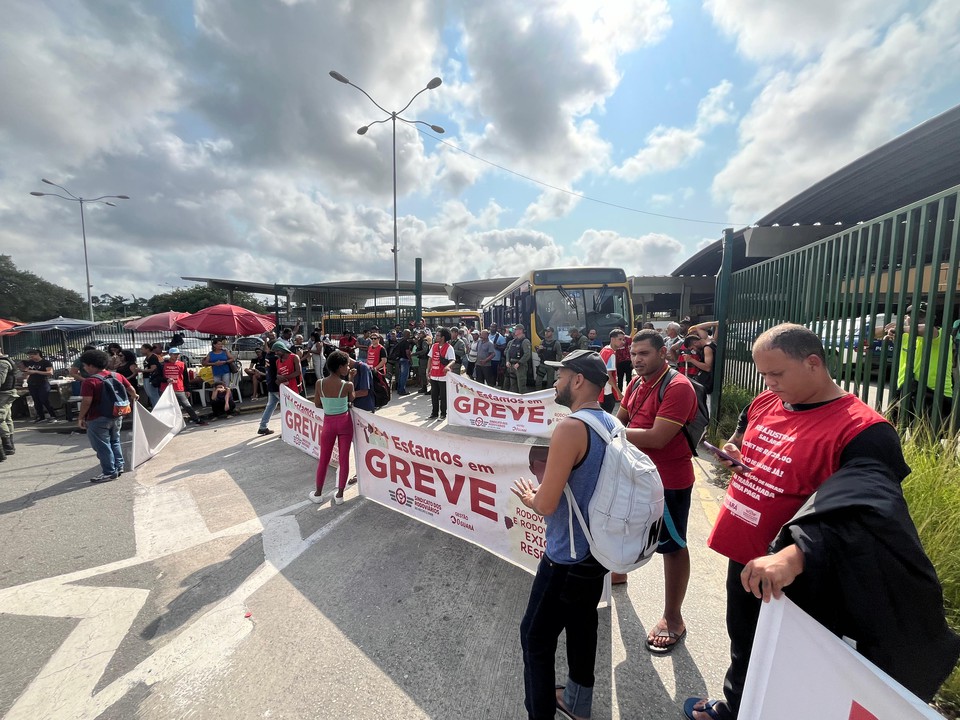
[859,712]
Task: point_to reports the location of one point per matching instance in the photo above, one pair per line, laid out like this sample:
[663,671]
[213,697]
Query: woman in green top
[334,394]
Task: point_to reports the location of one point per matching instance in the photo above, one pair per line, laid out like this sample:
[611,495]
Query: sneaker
[39,420]
[432,416]
[264,431]
[314,498]
[52,420]
[338,499]
[103,477]
[120,472]
[443,416]
[202,422]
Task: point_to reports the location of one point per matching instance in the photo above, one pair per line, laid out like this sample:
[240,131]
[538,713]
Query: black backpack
[695,430]
[380,388]
[114,401]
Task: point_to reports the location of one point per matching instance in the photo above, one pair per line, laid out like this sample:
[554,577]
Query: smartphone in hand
[738,465]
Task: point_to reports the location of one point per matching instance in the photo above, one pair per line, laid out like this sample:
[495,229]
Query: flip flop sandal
[666,649]
[709,707]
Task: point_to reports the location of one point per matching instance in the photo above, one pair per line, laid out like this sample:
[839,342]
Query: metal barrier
[847,288]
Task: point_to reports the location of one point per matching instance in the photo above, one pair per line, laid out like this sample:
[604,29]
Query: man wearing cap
[548,351]
[175,373]
[518,360]
[577,341]
[566,589]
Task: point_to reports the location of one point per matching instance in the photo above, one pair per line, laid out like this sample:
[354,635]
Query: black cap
[586,362]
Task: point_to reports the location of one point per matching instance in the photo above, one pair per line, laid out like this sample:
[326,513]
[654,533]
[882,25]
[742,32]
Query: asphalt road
[205,585]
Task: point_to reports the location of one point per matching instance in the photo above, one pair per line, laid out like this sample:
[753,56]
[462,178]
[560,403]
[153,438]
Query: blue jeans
[153,392]
[402,374]
[273,399]
[563,597]
[104,436]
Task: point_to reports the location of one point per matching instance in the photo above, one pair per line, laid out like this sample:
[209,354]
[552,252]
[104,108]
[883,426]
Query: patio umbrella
[157,323]
[61,324]
[227,320]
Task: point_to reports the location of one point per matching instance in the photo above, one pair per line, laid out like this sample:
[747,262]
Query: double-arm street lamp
[393,117]
[105,199]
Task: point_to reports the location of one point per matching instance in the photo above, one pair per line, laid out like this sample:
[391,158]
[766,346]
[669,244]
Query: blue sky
[242,160]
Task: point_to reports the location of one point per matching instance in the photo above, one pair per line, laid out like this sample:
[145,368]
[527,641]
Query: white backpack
[626,510]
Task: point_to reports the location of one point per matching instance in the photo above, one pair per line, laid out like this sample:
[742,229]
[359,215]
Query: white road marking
[167,520]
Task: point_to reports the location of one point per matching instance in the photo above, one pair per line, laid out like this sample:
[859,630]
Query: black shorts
[676,510]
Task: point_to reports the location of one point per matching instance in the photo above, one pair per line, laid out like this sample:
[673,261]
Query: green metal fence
[848,288]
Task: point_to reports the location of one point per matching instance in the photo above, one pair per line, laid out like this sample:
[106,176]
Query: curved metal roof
[921,162]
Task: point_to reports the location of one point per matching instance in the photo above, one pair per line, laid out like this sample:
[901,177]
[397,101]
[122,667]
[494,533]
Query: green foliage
[732,401]
[199,297]
[932,491]
[28,298]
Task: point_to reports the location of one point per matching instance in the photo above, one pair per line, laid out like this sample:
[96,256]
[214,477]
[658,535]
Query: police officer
[518,361]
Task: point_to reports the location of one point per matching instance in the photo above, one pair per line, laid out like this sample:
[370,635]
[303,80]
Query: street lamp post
[393,117]
[105,199]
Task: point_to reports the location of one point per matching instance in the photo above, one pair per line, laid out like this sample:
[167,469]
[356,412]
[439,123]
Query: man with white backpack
[590,465]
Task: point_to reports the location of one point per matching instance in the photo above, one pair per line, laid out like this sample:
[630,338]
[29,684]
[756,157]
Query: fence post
[418,289]
[721,302]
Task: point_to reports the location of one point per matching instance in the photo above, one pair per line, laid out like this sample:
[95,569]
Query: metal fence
[847,288]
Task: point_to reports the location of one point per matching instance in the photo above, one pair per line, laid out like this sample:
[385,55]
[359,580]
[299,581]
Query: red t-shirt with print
[679,406]
[791,453]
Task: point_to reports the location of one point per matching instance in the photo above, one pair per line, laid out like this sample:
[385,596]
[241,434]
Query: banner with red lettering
[460,485]
[799,669]
[472,404]
[301,422]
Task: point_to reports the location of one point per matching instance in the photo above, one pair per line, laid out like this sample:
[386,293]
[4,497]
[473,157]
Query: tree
[27,297]
[198,297]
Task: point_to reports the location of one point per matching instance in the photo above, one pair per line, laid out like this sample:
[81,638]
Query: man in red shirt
[610,395]
[793,437]
[174,372]
[376,354]
[655,426]
[103,432]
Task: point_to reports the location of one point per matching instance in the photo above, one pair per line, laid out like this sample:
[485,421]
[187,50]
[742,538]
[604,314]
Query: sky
[577,132]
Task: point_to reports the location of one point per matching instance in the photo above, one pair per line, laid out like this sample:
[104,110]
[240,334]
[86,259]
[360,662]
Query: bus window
[601,309]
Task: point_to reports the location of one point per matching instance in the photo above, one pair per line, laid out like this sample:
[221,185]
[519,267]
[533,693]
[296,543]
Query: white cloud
[650,254]
[667,148]
[551,204]
[765,30]
[807,123]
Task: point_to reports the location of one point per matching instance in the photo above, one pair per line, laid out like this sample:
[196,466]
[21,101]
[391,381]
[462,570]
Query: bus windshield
[601,309]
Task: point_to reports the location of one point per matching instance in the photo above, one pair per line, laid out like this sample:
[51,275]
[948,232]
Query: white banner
[152,430]
[472,404]
[460,485]
[301,423]
[792,650]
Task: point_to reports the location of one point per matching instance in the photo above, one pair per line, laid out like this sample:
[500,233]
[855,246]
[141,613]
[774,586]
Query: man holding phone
[654,425]
[803,435]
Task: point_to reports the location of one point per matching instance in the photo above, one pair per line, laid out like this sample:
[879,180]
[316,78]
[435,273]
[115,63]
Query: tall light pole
[393,117]
[105,199]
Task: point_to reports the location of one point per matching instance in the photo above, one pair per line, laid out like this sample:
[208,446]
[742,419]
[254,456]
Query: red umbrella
[227,320]
[7,324]
[157,323]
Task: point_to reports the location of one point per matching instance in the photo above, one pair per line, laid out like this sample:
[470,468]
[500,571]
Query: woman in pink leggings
[334,394]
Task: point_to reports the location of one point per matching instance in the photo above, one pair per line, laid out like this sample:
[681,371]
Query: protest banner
[799,669]
[152,430]
[472,404]
[301,423]
[460,485]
